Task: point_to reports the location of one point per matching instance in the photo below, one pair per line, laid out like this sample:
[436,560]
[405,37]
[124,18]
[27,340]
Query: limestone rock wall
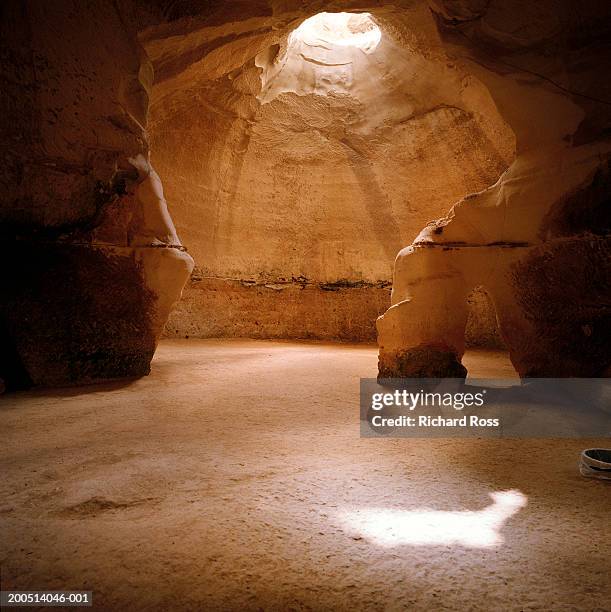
[538,239]
[286,174]
[91,260]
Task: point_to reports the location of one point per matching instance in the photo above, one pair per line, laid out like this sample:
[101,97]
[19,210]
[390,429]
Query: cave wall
[91,260]
[293,188]
[538,239]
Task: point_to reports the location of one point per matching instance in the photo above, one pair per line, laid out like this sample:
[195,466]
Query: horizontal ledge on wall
[466,245]
[97,245]
[299,282]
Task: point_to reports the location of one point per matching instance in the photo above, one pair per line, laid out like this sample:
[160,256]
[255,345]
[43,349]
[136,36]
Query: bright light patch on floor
[339,29]
[389,527]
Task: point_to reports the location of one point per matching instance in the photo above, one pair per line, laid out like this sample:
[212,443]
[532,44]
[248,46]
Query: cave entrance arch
[482,329]
[488,353]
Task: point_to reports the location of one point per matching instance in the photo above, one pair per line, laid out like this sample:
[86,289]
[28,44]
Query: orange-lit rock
[93,263]
[538,239]
[294,164]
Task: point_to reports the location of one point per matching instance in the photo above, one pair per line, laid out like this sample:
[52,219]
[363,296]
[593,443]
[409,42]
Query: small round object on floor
[596,463]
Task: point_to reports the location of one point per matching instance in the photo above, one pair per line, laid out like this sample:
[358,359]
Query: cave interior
[218,216]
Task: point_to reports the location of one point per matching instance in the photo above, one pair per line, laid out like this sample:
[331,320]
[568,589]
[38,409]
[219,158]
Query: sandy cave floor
[227,478]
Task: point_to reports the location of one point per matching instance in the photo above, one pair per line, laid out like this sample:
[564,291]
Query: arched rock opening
[481,328]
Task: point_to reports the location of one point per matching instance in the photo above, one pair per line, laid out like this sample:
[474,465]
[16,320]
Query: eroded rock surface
[91,260]
[293,162]
[538,239]
[296,167]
